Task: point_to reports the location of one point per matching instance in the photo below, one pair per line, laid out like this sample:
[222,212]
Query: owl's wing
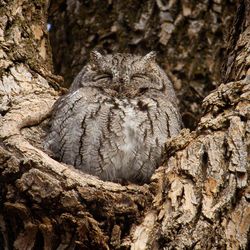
[68,123]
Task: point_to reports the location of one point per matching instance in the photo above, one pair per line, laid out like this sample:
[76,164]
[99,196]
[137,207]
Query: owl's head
[124,74]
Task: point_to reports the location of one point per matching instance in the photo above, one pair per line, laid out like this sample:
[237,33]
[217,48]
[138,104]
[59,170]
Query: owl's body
[115,119]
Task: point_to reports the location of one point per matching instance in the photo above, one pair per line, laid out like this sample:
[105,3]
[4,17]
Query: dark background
[188,36]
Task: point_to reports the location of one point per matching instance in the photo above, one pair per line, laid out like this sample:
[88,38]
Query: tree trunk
[198,198]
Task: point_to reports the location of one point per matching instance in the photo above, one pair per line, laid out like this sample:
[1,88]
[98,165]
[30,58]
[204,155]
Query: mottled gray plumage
[115,119]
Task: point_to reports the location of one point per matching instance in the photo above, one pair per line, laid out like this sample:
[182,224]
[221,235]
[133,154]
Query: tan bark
[198,199]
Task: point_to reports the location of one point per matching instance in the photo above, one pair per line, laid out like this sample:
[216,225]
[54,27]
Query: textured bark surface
[198,199]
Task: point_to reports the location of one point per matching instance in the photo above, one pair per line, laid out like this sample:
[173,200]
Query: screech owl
[116,117]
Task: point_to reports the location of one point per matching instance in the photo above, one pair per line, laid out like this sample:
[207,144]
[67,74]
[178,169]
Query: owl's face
[123,74]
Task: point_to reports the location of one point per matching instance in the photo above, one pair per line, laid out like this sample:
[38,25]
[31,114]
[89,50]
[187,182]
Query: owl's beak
[118,87]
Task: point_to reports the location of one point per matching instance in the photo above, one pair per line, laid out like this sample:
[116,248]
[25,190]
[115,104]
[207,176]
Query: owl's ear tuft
[150,57]
[95,58]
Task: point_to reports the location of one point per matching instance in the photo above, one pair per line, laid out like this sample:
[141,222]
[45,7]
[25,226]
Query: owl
[116,117]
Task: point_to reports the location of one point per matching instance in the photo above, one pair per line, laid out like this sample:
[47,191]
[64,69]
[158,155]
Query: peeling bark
[198,198]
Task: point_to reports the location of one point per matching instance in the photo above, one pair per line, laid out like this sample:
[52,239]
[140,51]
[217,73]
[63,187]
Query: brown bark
[198,199]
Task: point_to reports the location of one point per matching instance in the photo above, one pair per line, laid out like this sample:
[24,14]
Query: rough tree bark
[199,197]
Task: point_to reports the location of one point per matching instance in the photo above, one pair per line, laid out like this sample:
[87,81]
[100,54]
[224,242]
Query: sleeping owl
[116,117]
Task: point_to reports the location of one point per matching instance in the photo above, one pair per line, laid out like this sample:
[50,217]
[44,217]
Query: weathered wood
[198,198]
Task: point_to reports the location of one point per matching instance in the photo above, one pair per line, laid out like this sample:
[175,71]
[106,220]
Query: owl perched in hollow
[116,117]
